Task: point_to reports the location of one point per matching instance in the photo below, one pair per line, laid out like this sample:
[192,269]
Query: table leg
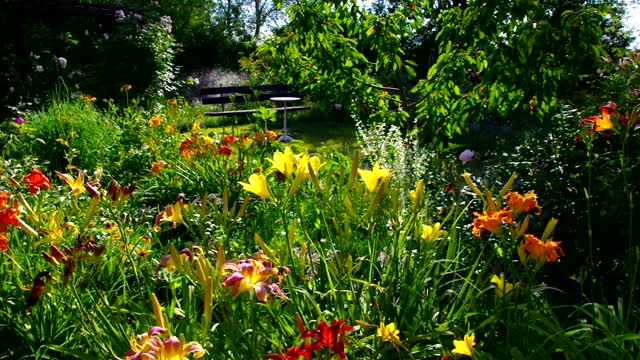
[285,136]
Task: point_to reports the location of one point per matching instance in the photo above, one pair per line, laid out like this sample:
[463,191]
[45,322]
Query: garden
[464,185]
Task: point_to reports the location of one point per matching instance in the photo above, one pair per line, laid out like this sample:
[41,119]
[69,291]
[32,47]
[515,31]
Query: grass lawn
[312,128]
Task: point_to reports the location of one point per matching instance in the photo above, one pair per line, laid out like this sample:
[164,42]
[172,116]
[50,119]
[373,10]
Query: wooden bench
[246,94]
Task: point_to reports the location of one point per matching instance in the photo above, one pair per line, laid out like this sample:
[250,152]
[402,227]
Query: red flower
[224,150]
[603,122]
[229,139]
[38,289]
[259,137]
[293,353]
[330,336]
[36,181]
[190,146]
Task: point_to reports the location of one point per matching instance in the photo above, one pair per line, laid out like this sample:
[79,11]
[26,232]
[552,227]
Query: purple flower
[19,120]
[466,156]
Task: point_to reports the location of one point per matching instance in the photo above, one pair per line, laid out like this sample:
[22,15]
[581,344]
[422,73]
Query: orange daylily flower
[4,243]
[602,122]
[156,167]
[36,181]
[519,204]
[4,196]
[8,215]
[191,146]
[155,121]
[88,98]
[491,221]
[271,135]
[541,251]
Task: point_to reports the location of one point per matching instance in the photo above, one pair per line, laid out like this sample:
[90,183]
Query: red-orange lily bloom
[602,122]
[4,243]
[36,181]
[8,215]
[330,336]
[541,251]
[491,221]
[519,204]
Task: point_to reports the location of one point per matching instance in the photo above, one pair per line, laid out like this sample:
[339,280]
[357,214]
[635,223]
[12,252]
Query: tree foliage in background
[110,43]
[339,53]
[512,60]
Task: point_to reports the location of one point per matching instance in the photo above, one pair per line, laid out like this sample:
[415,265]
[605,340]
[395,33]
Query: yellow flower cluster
[284,164]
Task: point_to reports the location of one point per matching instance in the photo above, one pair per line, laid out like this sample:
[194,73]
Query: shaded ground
[312,128]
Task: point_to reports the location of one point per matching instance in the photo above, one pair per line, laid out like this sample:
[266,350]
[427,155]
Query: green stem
[590,230]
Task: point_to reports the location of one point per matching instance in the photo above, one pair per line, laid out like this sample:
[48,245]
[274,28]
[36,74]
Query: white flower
[36,101]
[466,156]
[106,36]
[63,62]
[196,81]
[12,89]
[39,68]
[86,32]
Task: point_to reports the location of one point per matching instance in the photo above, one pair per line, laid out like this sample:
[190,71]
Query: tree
[339,53]
[513,59]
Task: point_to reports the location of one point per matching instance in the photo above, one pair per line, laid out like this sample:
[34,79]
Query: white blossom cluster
[402,153]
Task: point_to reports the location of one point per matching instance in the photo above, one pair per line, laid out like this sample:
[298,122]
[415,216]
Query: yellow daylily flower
[284,162]
[303,165]
[302,170]
[55,233]
[371,177]
[76,185]
[432,233]
[257,185]
[417,195]
[464,347]
[502,288]
[172,214]
[389,333]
